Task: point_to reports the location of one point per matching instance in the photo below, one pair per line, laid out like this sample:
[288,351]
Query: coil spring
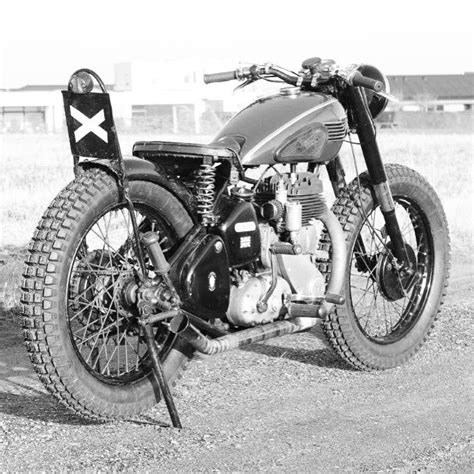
[205,191]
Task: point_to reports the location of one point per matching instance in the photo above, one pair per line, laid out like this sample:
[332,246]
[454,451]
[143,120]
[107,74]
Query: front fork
[367,137]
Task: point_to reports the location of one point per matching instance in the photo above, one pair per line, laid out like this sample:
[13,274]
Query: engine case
[298,270]
[244,298]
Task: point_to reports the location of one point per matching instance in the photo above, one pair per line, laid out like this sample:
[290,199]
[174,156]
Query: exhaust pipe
[180,325]
[305,317]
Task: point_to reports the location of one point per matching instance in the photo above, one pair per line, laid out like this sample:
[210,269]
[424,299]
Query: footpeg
[301,310]
[285,248]
[334,299]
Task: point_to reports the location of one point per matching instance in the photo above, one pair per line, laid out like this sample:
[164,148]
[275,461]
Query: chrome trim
[291,91]
[337,130]
[248,156]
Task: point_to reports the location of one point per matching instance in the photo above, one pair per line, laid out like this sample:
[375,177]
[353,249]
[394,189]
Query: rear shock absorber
[205,185]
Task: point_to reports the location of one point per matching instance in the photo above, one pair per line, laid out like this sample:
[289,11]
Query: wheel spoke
[104,331]
[381,317]
[89,304]
[110,248]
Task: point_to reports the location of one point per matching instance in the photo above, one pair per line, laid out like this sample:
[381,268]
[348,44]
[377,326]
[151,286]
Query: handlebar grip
[358,80]
[220,77]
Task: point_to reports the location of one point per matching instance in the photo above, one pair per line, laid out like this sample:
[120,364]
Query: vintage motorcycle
[140,262]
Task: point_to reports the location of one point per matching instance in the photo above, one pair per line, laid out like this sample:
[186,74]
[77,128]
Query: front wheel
[82,332]
[388,314]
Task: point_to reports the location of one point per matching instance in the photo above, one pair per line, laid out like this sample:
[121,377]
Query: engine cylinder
[306,190]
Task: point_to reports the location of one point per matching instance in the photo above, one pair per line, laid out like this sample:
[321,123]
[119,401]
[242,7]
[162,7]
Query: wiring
[263,174]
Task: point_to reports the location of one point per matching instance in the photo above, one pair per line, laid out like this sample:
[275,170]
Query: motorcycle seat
[148,149]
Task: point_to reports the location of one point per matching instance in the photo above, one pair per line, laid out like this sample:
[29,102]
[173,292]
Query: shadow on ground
[320,357]
[18,393]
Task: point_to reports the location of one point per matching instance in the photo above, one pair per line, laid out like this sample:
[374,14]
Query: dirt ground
[288,406]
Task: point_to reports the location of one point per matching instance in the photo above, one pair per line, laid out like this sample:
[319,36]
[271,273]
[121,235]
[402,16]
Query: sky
[44,42]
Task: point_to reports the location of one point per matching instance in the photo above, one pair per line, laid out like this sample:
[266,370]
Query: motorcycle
[141,262]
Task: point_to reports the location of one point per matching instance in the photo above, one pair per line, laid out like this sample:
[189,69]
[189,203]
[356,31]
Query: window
[22,119]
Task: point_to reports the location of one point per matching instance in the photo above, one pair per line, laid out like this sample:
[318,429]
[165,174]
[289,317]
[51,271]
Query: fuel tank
[288,127]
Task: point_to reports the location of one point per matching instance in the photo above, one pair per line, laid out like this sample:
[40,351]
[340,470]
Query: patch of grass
[34,170]
[446,161]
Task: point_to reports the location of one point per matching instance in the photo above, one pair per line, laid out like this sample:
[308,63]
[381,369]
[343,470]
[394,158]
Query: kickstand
[162,382]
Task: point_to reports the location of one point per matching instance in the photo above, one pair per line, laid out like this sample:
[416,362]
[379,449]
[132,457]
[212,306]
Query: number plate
[90,125]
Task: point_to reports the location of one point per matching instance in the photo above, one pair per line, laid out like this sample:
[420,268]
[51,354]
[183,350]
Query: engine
[289,232]
[277,191]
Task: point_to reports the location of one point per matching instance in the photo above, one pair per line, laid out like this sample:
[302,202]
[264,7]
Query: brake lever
[244,84]
[347,73]
[387,96]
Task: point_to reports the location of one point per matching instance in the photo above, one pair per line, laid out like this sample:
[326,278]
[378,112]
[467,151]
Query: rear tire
[378,327]
[73,316]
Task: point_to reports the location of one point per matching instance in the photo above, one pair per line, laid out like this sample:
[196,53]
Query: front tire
[82,338]
[383,322]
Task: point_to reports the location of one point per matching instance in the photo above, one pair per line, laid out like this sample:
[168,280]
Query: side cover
[239,231]
[202,277]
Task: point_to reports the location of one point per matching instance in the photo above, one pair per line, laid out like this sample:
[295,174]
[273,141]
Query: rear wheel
[389,313]
[81,326]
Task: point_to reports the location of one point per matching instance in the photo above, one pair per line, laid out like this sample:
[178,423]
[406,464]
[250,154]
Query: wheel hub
[393,281]
[126,294]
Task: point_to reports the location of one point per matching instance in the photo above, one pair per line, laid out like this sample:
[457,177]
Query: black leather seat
[222,149]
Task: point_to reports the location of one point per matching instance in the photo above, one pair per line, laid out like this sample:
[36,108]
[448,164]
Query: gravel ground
[287,405]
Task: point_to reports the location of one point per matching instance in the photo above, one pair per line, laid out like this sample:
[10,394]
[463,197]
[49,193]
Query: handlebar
[350,76]
[358,80]
[220,77]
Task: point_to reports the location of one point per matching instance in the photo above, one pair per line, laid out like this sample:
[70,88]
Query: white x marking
[89,125]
